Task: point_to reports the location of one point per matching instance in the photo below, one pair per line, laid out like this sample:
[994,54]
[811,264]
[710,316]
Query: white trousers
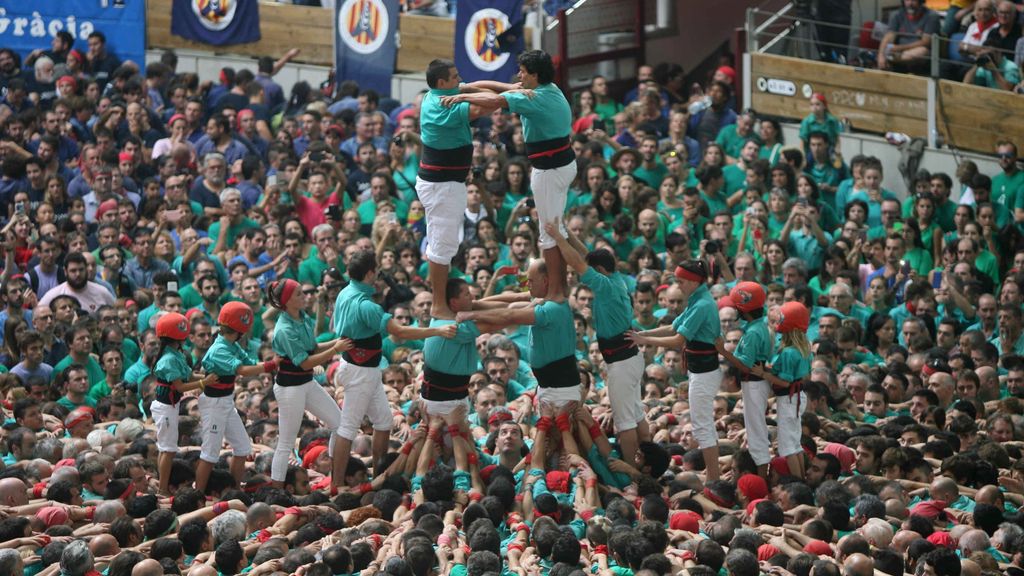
[364,396]
[755,402]
[445,407]
[559,397]
[790,427]
[292,403]
[624,392]
[220,421]
[550,192]
[444,204]
[166,418]
[703,389]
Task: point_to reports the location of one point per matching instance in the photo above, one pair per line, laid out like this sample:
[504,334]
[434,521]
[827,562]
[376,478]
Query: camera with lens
[983,60]
[712,247]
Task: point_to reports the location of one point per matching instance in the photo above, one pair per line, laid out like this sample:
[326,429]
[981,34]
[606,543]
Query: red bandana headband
[684,274]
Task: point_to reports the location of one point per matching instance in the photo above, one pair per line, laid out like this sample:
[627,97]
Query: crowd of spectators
[129,193]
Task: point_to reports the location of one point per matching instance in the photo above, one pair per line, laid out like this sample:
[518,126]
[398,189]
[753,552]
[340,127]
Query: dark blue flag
[216,22]
[488,38]
[364,43]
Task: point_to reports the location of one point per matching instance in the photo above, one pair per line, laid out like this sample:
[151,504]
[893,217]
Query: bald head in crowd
[104,545]
[902,539]
[148,567]
[13,492]
[859,565]
[945,489]
[973,541]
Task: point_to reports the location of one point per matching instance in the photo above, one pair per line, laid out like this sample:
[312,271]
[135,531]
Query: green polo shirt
[790,365]
[614,311]
[756,344]
[699,321]
[233,231]
[294,339]
[356,315]
[545,116]
[96,373]
[172,367]
[455,356]
[137,372]
[553,334]
[732,142]
[444,127]
[313,267]
[735,179]
[190,297]
[225,357]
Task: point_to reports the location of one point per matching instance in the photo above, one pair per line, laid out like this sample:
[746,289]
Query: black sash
[438,386]
[561,373]
[291,374]
[750,376]
[793,388]
[446,165]
[167,393]
[365,352]
[224,386]
[701,357]
[617,348]
[550,154]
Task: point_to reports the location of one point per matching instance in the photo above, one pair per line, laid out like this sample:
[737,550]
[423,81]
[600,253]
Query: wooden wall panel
[284,26]
[976,118]
[873,100]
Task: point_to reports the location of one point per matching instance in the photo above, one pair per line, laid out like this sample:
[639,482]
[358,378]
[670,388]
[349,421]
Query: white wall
[934,160]
[403,86]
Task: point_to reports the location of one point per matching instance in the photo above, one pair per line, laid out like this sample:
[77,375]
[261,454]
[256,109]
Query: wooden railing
[284,26]
[963,115]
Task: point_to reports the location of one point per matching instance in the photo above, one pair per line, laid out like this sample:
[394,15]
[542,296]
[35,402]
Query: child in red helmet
[754,350]
[226,360]
[789,368]
[173,376]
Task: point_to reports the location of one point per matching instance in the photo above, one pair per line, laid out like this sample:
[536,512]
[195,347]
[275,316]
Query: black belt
[617,348]
[562,373]
[439,386]
[550,154]
[701,357]
[749,376]
[167,393]
[224,386]
[365,352]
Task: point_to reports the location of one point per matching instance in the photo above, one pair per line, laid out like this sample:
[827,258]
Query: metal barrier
[778,79]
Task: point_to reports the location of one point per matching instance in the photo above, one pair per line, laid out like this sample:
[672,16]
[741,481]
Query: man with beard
[218,139]
[46,274]
[651,170]
[79,339]
[207,189]
[10,66]
[14,297]
[43,322]
[144,266]
[1010,340]
[209,290]
[90,295]
[141,370]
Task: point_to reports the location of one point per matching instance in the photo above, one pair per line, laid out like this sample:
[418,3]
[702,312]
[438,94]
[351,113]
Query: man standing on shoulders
[547,124]
[441,181]
[358,317]
[612,322]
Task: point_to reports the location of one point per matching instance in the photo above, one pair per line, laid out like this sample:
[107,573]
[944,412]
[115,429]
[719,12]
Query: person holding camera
[441,180]
[324,178]
[992,69]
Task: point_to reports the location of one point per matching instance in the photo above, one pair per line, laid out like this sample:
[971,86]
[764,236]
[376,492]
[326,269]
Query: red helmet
[747,296]
[172,325]
[237,316]
[793,316]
